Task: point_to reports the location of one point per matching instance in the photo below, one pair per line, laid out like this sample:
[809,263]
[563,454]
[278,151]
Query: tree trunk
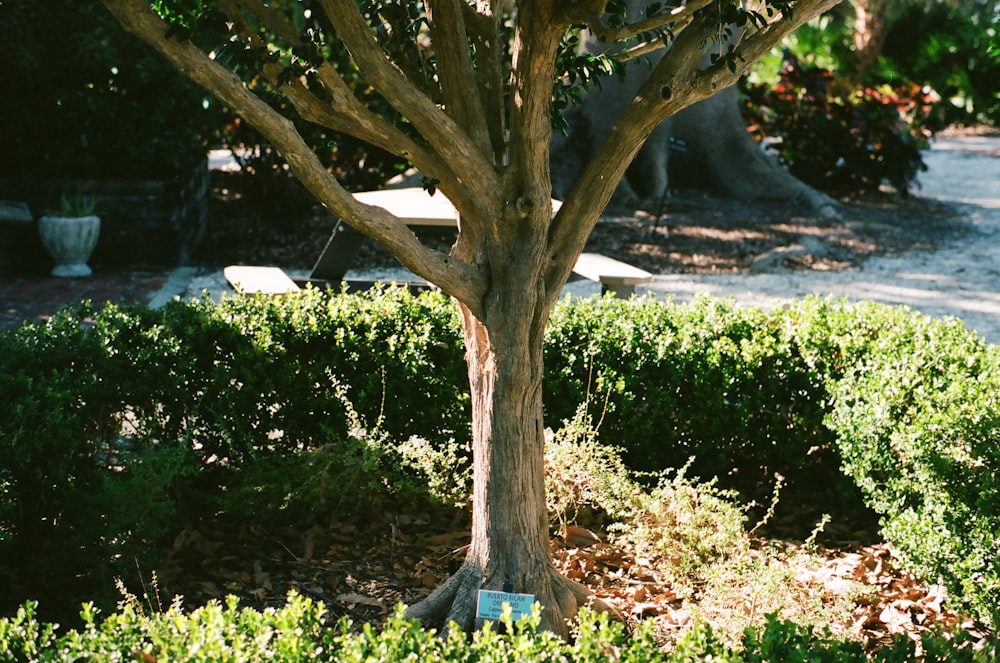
[870,29]
[510,549]
[715,150]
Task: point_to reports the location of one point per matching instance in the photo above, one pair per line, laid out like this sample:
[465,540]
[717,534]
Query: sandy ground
[961,279]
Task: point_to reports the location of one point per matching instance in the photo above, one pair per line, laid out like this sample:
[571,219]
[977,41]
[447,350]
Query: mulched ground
[363,568]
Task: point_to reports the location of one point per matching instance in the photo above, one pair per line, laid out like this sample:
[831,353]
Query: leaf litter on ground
[362,569]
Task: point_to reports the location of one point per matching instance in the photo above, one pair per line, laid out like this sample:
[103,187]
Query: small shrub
[301,631]
[586,480]
[739,390]
[843,140]
[919,431]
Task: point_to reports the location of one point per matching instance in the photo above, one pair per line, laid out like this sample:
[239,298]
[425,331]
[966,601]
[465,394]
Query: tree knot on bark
[520,209]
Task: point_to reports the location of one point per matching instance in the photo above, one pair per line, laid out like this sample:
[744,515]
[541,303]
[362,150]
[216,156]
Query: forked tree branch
[455,277]
[439,130]
[342,111]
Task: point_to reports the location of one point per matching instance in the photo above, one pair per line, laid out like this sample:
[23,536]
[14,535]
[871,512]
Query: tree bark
[510,549]
[870,29]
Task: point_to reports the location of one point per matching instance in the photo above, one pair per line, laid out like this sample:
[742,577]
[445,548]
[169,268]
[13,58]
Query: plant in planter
[70,234]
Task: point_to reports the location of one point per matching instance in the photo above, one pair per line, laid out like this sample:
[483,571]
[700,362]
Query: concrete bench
[15,213]
[19,244]
[613,275]
[415,207]
[254,280]
[259,280]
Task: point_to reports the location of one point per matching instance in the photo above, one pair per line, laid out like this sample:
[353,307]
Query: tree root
[456,600]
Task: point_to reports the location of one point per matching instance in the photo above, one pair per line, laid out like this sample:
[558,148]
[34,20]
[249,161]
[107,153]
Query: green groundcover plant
[300,631]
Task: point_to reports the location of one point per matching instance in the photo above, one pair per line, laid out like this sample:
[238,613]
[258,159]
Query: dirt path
[961,279]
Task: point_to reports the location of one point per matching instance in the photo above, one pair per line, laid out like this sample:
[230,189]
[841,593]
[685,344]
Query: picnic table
[417,208]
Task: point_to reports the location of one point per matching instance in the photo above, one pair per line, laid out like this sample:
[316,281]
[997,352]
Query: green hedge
[300,632]
[113,430]
[918,424]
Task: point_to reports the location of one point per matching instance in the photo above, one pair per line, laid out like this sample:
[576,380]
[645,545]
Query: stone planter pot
[70,241]
[143,222]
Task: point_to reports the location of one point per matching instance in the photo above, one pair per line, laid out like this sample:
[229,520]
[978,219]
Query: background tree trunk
[715,150]
[704,145]
[870,29]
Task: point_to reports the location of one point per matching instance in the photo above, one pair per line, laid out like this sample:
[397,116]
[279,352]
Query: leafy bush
[300,631]
[111,431]
[918,425]
[115,426]
[953,48]
[737,389]
[839,139]
[949,46]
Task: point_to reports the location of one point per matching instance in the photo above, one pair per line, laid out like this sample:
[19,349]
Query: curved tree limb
[458,279]
[342,111]
[274,20]
[677,14]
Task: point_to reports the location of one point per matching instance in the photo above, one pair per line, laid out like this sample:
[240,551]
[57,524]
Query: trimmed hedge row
[300,632]
[173,404]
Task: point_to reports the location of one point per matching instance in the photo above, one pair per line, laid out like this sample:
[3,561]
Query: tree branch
[343,112]
[458,279]
[675,83]
[459,87]
[677,14]
[439,130]
[483,27]
[646,47]
[274,20]
[536,41]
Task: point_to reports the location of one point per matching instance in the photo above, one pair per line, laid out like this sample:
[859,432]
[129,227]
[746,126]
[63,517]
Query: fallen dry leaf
[580,537]
[353,598]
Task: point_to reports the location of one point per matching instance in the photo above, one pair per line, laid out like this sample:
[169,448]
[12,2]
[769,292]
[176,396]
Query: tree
[704,145]
[473,88]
